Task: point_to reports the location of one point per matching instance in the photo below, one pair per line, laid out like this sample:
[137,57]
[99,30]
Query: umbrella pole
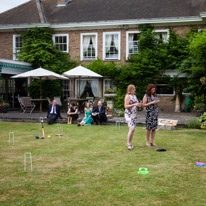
[79,87]
[40,97]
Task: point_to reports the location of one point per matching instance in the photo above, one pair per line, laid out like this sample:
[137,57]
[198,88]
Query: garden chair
[96,101]
[49,100]
[59,102]
[90,100]
[26,104]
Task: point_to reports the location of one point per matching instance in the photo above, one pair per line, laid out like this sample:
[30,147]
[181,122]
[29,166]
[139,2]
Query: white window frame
[62,35]
[163,31]
[119,45]
[81,46]
[14,45]
[127,41]
[104,84]
[63,90]
[171,95]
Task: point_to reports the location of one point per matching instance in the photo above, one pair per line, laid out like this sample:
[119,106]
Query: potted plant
[109,94]
[3,106]
[203,80]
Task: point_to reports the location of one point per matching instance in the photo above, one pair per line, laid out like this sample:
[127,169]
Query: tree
[195,68]
[38,49]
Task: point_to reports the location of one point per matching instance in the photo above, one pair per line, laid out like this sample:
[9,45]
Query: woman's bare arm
[127,105]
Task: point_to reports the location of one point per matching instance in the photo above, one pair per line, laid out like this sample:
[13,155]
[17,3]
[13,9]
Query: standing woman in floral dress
[131,103]
[150,101]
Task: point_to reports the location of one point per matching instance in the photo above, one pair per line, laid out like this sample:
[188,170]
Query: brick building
[104,29]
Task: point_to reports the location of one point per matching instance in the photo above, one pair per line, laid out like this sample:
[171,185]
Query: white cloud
[8,4]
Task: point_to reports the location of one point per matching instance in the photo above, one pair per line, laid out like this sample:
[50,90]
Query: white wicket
[11,134]
[25,157]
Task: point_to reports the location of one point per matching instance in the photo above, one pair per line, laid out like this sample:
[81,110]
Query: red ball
[42,137]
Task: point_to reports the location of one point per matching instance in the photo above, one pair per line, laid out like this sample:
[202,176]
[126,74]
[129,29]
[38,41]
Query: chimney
[62,2]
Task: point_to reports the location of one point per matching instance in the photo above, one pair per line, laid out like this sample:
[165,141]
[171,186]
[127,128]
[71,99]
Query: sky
[8,4]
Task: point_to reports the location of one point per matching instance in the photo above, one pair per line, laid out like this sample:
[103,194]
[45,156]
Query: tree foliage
[141,69]
[196,67]
[38,49]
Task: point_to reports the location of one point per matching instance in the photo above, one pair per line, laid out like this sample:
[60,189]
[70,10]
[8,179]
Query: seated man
[53,112]
[98,113]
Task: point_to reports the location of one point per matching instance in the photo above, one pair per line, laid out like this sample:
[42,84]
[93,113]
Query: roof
[11,67]
[24,14]
[102,10]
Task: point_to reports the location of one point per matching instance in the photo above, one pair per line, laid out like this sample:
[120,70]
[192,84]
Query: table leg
[40,107]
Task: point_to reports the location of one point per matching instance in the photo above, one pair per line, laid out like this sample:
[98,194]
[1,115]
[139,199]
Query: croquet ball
[42,137]
[37,137]
[49,136]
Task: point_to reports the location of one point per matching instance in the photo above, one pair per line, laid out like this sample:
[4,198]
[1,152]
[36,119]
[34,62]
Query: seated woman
[88,116]
[72,113]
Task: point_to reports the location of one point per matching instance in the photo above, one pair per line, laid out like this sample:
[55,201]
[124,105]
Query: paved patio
[18,116]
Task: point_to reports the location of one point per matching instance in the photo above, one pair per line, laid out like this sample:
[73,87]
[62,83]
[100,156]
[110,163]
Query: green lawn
[92,166]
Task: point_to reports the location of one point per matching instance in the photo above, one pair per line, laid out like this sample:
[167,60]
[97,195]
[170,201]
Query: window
[88,88]
[162,34]
[61,42]
[108,83]
[111,45]
[132,43]
[66,89]
[89,46]
[17,45]
[165,90]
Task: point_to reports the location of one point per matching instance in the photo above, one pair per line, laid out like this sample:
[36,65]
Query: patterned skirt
[151,120]
[131,119]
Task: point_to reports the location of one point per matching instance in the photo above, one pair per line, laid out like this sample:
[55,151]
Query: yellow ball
[49,136]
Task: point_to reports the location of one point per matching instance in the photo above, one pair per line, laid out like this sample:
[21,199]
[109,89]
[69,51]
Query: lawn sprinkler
[201,164]
[143,171]
[42,127]
[37,136]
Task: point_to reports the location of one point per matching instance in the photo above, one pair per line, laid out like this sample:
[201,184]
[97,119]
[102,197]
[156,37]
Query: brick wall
[6,41]
[6,45]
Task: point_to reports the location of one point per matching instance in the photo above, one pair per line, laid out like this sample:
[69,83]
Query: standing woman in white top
[131,103]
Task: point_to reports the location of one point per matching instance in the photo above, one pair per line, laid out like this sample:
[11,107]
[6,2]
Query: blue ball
[37,136]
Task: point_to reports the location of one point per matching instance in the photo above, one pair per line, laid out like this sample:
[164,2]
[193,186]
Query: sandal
[129,147]
[154,145]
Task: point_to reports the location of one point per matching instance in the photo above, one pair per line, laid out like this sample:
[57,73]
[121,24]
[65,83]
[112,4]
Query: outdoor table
[78,102]
[40,101]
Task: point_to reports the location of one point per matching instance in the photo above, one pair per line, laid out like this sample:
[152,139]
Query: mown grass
[92,166]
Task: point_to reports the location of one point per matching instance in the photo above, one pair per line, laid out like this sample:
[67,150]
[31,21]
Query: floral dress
[130,114]
[151,114]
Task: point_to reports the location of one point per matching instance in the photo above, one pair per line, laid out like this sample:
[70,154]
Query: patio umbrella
[41,74]
[81,72]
